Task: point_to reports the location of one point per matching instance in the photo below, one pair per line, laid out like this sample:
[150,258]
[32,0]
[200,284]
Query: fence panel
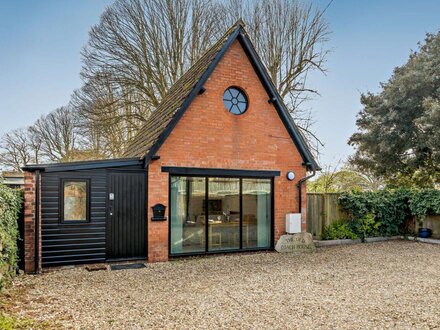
[322,210]
[315,204]
[433,222]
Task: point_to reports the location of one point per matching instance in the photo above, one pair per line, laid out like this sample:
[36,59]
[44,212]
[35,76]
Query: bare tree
[344,178]
[106,122]
[141,47]
[19,148]
[58,136]
[289,36]
[58,133]
[134,55]
[35,147]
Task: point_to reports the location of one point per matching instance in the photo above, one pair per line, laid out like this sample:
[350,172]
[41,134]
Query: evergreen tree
[399,128]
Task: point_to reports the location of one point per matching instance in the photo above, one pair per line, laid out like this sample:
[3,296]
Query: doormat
[94,268]
[128,266]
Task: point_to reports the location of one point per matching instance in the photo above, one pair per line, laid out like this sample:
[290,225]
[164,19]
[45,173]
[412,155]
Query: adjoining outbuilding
[12,179]
[215,169]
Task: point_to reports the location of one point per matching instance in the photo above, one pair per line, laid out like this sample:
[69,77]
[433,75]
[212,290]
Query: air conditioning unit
[293,223]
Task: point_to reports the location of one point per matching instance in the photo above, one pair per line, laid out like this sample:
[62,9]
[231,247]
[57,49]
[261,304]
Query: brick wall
[29,223]
[209,136]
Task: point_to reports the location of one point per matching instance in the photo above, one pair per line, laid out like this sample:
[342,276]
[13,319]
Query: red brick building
[216,168]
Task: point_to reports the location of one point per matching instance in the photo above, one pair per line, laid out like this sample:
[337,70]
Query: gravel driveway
[394,284]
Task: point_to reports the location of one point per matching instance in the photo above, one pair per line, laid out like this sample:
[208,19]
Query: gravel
[393,284]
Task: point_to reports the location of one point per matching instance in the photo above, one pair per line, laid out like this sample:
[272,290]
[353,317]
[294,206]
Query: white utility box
[293,223]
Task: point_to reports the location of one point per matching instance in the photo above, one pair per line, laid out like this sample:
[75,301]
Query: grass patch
[8,322]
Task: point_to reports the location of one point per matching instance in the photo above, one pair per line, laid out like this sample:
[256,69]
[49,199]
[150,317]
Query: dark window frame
[219,172]
[241,91]
[240,249]
[88,202]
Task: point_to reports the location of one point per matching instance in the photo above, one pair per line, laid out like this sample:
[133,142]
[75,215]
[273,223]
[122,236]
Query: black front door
[126,219]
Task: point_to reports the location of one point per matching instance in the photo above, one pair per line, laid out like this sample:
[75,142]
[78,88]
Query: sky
[40,44]
[368,40]
[41,40]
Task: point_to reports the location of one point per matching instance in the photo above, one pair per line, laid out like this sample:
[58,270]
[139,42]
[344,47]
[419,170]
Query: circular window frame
[233,104]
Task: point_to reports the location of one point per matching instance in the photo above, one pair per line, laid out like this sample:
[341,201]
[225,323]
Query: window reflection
[224,214]
[187,222]
[197,214]
[75,200]
[256,213]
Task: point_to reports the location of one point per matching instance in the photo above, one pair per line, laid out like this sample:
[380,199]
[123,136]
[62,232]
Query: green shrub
[339,229]
[8,322]
[10,206]
[424,202]
[366,226]
[389,208]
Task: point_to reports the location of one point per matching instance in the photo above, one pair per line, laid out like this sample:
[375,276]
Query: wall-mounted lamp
[290,176]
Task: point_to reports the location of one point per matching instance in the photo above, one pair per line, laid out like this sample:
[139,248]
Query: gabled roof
[163,120]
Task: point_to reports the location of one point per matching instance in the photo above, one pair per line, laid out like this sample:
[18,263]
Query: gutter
[300,183]
[83,165]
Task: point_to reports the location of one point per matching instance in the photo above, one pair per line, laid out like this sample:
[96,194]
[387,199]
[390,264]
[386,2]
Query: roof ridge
[161,122]
[240,22]
[185,84]
[221,40]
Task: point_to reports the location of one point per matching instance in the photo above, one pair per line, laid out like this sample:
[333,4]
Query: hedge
[10,205]
[386,211]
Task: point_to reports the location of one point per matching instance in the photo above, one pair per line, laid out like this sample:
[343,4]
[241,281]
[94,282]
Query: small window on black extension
[75,201]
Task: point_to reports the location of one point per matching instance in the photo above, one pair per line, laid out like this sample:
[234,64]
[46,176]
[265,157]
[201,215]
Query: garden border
[324,243]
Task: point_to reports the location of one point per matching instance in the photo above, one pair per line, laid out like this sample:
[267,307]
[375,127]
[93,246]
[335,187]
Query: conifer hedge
[10,205]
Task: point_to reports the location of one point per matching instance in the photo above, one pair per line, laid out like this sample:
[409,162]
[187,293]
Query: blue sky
[40,44]
[369,39]
[40,61]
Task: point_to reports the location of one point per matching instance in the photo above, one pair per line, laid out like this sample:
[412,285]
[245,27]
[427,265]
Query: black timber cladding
[73,243]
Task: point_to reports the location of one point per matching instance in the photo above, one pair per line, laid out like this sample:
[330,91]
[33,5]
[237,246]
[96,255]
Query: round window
[235,101]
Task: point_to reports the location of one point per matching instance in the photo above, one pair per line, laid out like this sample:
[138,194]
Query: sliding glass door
[257,210]
[211,214]
[187,223]
[223,214]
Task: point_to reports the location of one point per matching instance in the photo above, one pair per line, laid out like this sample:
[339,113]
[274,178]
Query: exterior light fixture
[290,176]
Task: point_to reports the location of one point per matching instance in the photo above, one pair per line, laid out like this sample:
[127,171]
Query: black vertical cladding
[241,213]
[126,229]
[80,242]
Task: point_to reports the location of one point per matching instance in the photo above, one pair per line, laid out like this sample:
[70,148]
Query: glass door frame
[206,201]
